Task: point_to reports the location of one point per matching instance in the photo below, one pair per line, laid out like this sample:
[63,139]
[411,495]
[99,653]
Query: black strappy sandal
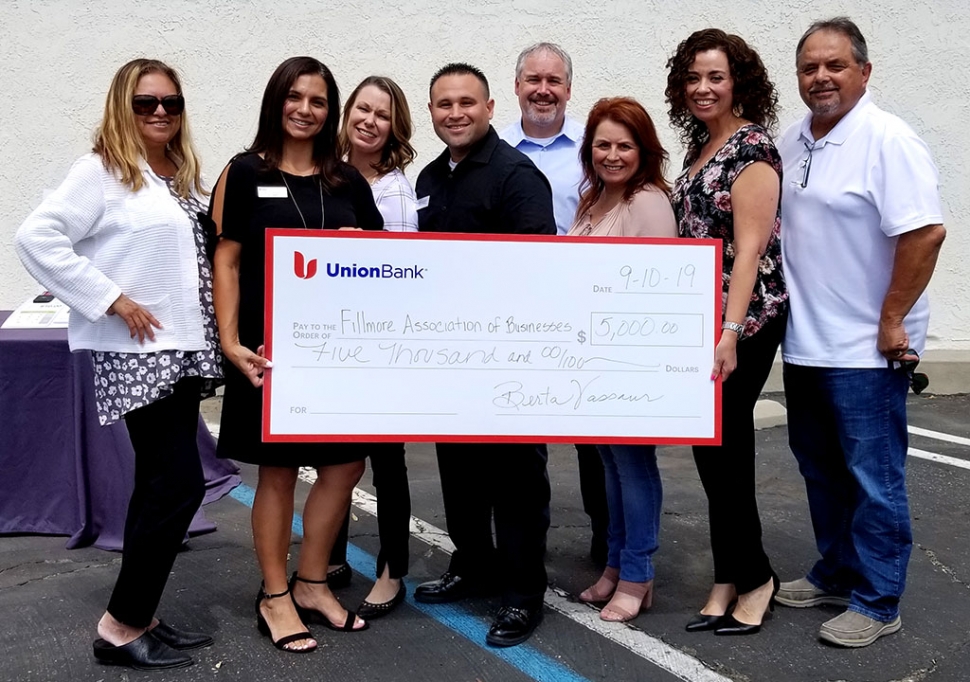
[263,626]
[318,617]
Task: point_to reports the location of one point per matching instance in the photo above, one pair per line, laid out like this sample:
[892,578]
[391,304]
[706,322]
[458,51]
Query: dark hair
[653,157]
[845,26]
[753,94]
[459,69]
[398,152]
[269,135]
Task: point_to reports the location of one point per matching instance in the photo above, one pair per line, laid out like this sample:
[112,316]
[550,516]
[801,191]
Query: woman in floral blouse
[721,100]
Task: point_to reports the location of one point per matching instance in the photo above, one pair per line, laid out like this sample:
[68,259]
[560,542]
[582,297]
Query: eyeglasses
[917,380]
[146,105]
[807,164]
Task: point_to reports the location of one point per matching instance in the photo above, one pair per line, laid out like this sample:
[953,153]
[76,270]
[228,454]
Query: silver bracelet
[734,327]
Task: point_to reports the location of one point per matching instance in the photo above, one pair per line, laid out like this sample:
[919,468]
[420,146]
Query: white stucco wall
[58,58]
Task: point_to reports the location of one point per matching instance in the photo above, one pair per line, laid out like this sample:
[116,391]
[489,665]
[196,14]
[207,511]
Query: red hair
[653,157]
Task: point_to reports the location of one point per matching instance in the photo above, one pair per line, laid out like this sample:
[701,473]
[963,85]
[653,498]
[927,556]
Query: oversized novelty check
[477,338]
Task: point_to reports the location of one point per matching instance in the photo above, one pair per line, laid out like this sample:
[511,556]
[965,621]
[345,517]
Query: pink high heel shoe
[643,592]
[601,591]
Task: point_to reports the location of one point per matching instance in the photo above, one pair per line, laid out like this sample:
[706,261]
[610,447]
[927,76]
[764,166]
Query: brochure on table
[30,315]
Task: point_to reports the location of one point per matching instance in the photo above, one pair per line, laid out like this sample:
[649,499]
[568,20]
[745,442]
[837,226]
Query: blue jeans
[634,495]
[847,429]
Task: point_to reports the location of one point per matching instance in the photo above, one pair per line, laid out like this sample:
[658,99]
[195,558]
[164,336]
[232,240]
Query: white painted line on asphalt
[937,435]
[630,637]
[942,459]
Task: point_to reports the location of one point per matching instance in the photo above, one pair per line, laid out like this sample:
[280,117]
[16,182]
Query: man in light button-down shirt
[861,230]
[543,84]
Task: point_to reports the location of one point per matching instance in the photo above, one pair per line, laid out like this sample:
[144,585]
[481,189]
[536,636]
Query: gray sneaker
[852,629]
[801,594]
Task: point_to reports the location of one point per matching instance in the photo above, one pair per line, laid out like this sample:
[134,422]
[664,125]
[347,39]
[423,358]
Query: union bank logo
[302,268]
[382,271]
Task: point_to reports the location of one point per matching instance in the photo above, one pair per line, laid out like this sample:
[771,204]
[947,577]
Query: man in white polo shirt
[861,231]
[543,84]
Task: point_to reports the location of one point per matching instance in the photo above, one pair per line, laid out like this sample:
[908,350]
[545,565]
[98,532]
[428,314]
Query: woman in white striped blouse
[375,138]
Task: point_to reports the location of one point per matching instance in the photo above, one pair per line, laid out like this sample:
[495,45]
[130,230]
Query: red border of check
[271,235]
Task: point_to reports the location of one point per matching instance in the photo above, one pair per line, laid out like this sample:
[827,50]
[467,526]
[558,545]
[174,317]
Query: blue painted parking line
[523,657]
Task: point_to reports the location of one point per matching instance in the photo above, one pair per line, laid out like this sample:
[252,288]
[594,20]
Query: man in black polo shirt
[481,184]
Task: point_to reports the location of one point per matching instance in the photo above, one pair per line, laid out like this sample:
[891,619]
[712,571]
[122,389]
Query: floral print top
[702,205]
[126,381]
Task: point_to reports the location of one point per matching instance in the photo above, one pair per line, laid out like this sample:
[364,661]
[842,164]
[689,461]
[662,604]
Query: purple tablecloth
[61,472]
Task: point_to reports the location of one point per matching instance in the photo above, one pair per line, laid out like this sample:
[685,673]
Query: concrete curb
[768,414]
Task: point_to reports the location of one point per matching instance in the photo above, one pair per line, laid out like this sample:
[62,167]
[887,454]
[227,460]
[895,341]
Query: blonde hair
[120,145]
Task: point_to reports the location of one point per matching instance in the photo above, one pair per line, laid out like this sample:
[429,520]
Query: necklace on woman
[297,205]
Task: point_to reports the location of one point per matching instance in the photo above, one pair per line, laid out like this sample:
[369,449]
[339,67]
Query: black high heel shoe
[314,616]
[282,642]
[701,622]
[731,626]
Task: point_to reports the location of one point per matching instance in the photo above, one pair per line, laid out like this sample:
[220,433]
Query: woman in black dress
[295,154]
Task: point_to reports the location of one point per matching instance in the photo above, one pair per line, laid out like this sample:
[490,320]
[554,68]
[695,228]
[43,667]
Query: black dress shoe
[448,588]
[513,626]
[144,653]
[369,611]
[179,639]
[701,622]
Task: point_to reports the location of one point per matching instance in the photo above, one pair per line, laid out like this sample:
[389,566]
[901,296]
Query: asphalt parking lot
[51,598]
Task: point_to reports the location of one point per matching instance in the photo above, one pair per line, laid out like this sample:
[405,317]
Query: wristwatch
[734,327]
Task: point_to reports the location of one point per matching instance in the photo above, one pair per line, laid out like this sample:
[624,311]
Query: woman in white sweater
[120,243]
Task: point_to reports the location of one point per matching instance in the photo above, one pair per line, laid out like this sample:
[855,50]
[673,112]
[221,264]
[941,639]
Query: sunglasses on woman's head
[146,105]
